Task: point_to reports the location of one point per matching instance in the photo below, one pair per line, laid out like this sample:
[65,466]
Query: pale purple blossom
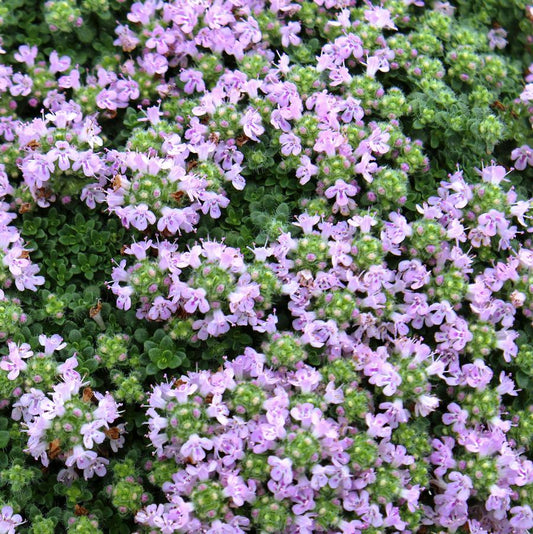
[9,521]
[252,124]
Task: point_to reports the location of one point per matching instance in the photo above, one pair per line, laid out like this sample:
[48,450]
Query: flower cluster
[17,266]
[162,194]
[280,451]
[68,423]
[210,279]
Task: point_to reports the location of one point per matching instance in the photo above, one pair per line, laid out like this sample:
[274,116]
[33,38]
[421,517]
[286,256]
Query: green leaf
[149,345]
[522,380]
[140,335]
[4,438]
[166,343]
[159,334]
[162,364]
[68,237]
[74,336]
[151,369]
[434,141]
[154,355]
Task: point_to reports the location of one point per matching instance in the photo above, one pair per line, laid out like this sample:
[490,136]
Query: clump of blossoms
[68,423]
[210,279]
[17,266]
[277,451]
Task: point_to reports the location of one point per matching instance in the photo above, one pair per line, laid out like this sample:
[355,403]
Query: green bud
[284,350]
[126,496]
[363,452]
[303,449]
[270,515]
[368,252]
[247,399]
[208,500]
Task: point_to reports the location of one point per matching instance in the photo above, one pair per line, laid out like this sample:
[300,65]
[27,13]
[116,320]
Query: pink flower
[412,496]
[367,167]
[522,157]
[290,144]
[88,162]
[9,521]
[507,386]
[218,323]
[477,375]
[493,174]
[505,342]
[138,216]
[26,55]
[306,170]
[91,433]
[522,517]
[306,378]
[339,75]
[58,64]
[289,34]
[497,38]
[234,176]
[243,298]
[375,64]
[317,333]
[328,141]
[63,152]
[160,39]
[238,490]
[96,467]
[154,63]
[193,80]
[218,410]
[51,344]
[252,125]
[379,17]
[212,202]
[425,404]
[383,374]
[307,222]
[123,297]
[37,170]
[14,361]
[107,99]
[70,80]
[107,408]
[377,142]
[195,447]
[80,457]
[67,369]
[196,300]
[392,518]
[281,469]
[161,309]
[351,109]
[455,416]
[129,90]
[527,93]
[306,413]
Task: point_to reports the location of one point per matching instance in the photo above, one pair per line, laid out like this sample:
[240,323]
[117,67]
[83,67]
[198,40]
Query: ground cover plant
[267,266]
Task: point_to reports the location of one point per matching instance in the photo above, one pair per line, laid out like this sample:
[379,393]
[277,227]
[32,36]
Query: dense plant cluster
[267,267]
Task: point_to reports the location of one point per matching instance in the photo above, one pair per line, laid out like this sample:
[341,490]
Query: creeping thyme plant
[266,266]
